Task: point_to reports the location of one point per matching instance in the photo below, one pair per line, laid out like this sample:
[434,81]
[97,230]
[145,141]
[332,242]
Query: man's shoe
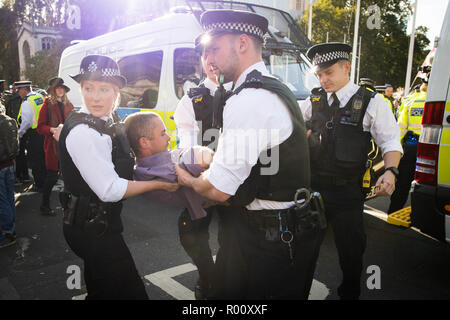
[7,242]
[47,211]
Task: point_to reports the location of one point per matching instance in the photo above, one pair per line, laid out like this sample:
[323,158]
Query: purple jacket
[161,167]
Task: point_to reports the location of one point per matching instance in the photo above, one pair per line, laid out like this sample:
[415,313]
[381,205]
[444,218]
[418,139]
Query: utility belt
[303,216]
[92,216]
[283,225]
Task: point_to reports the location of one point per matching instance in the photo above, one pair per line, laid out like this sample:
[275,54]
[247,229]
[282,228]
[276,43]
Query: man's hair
[138,125]
[257,43]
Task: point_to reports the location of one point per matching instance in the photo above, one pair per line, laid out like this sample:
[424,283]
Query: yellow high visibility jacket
[389,102]
[410,118]
[36,101]
[406,102]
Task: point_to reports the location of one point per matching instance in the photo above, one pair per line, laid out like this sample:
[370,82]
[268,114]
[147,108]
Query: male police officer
[263,253]
[28,119]
[193,118]
[343,117]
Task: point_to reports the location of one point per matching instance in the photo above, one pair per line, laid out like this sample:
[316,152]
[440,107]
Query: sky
[430,13]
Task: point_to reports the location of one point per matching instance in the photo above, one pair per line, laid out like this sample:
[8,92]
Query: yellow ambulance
[430,200]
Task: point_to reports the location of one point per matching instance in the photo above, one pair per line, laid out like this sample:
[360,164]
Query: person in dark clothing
[12,110]
[54,111]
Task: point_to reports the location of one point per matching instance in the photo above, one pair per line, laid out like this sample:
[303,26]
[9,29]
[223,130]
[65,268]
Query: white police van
[430,200]
[157,57]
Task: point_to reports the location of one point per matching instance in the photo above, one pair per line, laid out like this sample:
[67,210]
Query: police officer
[13,103]
[97,167]
[343,117]
[387,95]
[193,118]
[410,123]
[264,253]
[28,119]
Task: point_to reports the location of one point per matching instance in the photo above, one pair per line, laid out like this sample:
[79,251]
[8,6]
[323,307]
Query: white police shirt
[188,129]
[26,118]
[378,120]
[91,153]
[253,121]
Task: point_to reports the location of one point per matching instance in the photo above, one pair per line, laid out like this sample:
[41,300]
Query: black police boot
[202,290]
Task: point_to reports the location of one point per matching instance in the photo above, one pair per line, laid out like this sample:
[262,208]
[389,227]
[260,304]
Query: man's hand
[386,184]
[169,186]
[184,177]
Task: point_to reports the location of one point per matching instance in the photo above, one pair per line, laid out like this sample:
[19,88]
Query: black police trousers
[406,168]
[194,237]
[344,206]
[250,267]
[22,159]
[36,158]
[109,269]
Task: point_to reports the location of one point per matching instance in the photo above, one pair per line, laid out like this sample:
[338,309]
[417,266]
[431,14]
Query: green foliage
[9,60]
[44,65]
[384,51]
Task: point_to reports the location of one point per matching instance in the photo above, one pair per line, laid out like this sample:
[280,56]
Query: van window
[292,71]
[143,72]
[187,70]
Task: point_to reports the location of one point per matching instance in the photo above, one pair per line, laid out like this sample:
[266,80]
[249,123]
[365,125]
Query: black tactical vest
[340,146]
[121,155]
[202,103]
[294,170]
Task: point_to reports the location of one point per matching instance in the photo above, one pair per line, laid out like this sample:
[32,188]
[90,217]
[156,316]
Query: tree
[9,57]
[44,65]
[384,49]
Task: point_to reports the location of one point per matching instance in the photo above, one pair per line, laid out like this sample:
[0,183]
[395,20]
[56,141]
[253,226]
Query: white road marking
[164,280]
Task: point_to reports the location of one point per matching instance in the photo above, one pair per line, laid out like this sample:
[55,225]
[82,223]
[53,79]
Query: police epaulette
[253,80]
[83,118]
[317,91]
[372,92]
[198,91]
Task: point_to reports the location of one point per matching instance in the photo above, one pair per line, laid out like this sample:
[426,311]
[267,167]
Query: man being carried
[149,140]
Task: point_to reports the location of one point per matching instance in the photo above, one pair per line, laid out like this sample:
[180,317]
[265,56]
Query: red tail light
[433,113]
[428,148]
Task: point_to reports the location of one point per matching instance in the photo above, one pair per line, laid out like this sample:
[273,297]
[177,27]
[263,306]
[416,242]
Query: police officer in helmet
[97,167]
[343,117]
[193,117]
[265,251]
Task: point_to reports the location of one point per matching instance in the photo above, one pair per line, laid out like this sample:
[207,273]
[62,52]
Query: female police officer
[97,167]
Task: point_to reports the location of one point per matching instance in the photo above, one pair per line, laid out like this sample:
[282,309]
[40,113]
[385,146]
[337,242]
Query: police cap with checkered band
[100,68]
[324,55]
[219,22]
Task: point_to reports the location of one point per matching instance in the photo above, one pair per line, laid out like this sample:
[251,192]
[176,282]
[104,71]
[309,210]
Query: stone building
[31,39]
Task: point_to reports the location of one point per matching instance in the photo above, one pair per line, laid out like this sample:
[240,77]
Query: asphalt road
[400,263]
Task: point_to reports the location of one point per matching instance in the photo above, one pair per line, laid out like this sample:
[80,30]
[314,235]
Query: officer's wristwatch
[394,170]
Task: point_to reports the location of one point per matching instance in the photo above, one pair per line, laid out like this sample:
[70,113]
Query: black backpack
[9,141]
